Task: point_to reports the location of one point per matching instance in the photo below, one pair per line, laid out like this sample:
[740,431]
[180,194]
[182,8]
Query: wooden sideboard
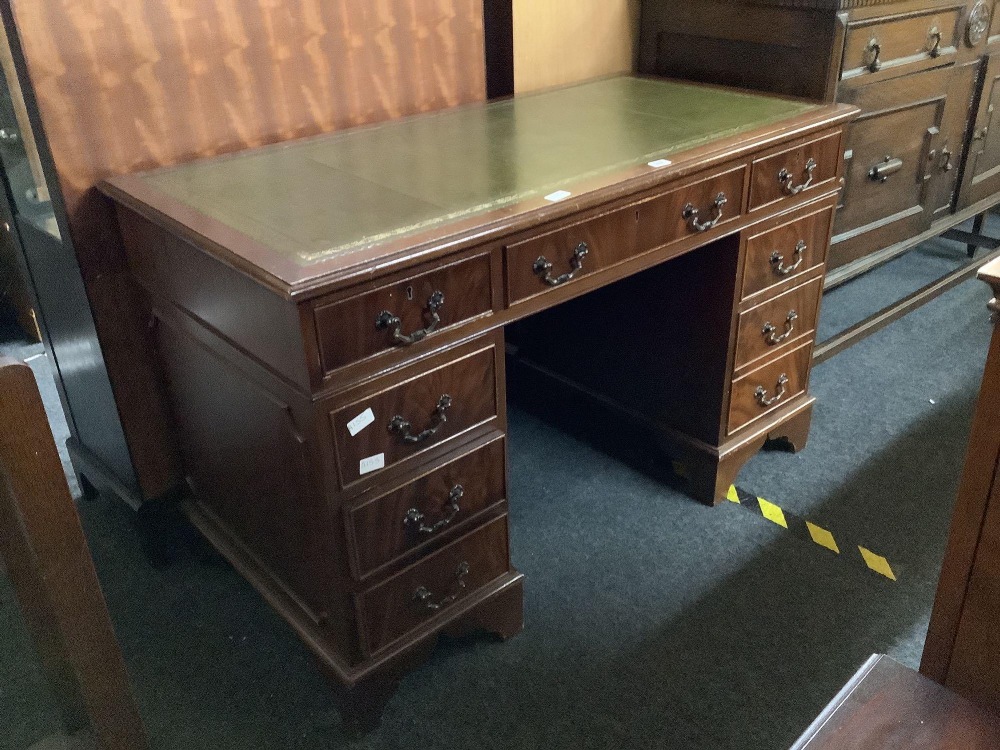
[963,647]
[329,320]
[923,155]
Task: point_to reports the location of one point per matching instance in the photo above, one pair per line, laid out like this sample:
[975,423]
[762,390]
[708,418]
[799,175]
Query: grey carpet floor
[650,621]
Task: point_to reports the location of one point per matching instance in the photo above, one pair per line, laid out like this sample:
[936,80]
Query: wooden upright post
[47,558]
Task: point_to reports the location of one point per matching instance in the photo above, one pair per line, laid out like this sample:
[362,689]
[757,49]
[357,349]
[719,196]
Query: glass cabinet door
[22,164]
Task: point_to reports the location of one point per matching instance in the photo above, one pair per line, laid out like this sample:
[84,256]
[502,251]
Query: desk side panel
[251,317]
[252,458]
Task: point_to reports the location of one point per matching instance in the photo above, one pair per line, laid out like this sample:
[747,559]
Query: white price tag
[361,421]
[372,463]
[558,195]
[660,163]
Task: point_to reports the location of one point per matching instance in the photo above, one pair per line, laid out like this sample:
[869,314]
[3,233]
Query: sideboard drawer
[382,529]
[403,312]
[691,210]
[902,41]
[786,252]
[550,260]
[778,323]
[408,417]
[800,169]
[433,585]
[769,387]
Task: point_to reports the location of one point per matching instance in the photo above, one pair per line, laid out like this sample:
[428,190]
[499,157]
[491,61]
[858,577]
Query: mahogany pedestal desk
[329,319]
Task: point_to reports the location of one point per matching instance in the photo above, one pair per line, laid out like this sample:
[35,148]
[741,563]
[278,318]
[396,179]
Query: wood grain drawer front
[786,252]
[800,169]
[403,313]
[769,387]
[779,323]
[903,42]
[691,210]
[549,261]
[432,586]
[428,508]
[409,417]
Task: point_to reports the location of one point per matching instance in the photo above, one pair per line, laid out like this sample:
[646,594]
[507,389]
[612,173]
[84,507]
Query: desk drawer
[406,418]
[794,171]
[778,323]
[417,306]
[432,586]
[769,387]
[559,257]
[717,199]
[384,528]
[902,42]
[785,252]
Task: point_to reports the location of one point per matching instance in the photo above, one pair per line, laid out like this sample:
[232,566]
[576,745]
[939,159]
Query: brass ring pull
[402,427]
[386,320]
[786,178]
[414,519]
[873,54]
[690,214]
[778,260]
[761,393]
[423,595]
[770,331]
[935,37]
[543,267]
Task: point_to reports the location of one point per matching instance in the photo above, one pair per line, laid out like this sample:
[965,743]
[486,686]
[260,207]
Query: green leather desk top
[314,199]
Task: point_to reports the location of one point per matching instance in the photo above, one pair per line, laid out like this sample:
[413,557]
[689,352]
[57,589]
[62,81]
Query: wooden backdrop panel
[564,41]
[125,85]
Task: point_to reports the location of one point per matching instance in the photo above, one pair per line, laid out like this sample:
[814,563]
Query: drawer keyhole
[409,293]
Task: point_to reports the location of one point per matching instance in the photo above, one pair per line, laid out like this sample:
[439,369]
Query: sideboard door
[983,171]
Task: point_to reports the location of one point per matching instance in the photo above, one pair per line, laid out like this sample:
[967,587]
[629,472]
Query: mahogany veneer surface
[330,313]
[294,212]
[886,706]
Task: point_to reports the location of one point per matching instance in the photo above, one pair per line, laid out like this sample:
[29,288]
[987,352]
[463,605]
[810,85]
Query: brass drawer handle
[882,172]
[980,135]
[770,331]
[873,55]
[786,178]
[778,260]
[946,164]
[690,214]
[543,267]
[414,519]
[402,427]
[935,37]
[423,595]
[386,320]
[761,393]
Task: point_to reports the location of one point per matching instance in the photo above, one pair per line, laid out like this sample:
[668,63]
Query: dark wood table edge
[293,281]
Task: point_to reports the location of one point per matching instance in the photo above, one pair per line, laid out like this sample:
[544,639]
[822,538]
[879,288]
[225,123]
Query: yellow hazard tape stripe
[808,530]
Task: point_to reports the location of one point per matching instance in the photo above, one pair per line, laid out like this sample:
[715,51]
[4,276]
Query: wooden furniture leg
[977,228]
[711,472]
[49,563]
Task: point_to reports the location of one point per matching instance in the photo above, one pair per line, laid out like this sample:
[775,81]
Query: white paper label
[372,463]
[660,163]
[361,421]
[557,196]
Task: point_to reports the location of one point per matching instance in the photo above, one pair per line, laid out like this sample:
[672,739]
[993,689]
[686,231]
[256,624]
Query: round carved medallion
[979,23]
